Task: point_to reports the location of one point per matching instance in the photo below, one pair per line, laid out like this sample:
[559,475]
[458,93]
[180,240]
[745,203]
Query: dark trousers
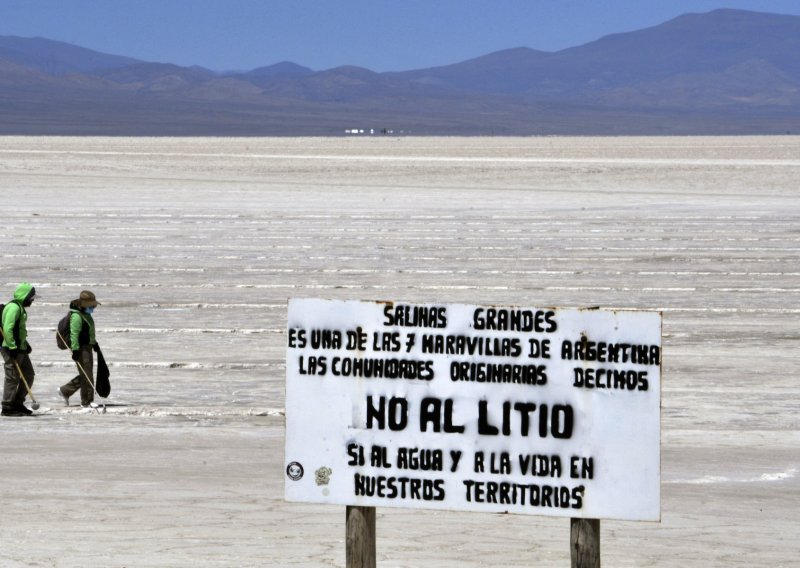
[85,364]
[14,392]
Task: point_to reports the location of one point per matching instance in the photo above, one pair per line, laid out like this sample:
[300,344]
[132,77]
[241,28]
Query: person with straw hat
[16,352]
[82,343]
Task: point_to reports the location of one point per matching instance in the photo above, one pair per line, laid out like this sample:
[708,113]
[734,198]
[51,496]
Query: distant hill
[283,69]
[722,72]
[713,58]
[57,58]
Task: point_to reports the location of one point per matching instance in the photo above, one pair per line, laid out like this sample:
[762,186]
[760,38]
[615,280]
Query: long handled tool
[34,402]
[87,377]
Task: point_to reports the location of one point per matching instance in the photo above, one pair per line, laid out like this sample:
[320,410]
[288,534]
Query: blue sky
[382,35]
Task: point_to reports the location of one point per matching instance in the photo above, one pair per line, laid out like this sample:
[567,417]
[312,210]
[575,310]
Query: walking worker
[16,352]
[82,343]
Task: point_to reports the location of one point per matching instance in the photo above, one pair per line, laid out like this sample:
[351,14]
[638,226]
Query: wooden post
[584,541]
[360,537]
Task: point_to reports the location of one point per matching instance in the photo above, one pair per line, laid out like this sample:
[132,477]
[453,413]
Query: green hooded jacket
[15,318]
[78,334]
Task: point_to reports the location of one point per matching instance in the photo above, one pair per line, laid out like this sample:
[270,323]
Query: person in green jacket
[82,343]
[16,352]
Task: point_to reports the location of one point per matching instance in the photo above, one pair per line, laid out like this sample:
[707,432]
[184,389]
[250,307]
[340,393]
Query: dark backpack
[62,332]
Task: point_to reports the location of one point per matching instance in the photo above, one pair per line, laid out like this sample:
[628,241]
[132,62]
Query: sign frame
[467,407]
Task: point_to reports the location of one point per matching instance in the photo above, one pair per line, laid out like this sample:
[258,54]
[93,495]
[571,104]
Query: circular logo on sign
[294,470]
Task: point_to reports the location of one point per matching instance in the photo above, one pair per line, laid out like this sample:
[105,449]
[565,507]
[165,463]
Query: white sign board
[537,411]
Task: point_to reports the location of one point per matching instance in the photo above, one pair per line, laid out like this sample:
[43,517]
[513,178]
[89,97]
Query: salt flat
[194,246]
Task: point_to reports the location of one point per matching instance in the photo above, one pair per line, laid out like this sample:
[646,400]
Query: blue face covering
[89,310]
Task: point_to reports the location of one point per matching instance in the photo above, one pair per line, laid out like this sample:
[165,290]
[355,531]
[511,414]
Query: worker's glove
[96,347]
[76,355]
[29,348]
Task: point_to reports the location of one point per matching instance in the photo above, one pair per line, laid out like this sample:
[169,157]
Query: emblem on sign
[295,471]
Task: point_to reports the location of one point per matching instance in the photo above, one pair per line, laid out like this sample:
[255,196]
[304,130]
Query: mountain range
[721,72]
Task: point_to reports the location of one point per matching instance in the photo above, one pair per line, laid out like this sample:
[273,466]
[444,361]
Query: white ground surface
[195,245]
